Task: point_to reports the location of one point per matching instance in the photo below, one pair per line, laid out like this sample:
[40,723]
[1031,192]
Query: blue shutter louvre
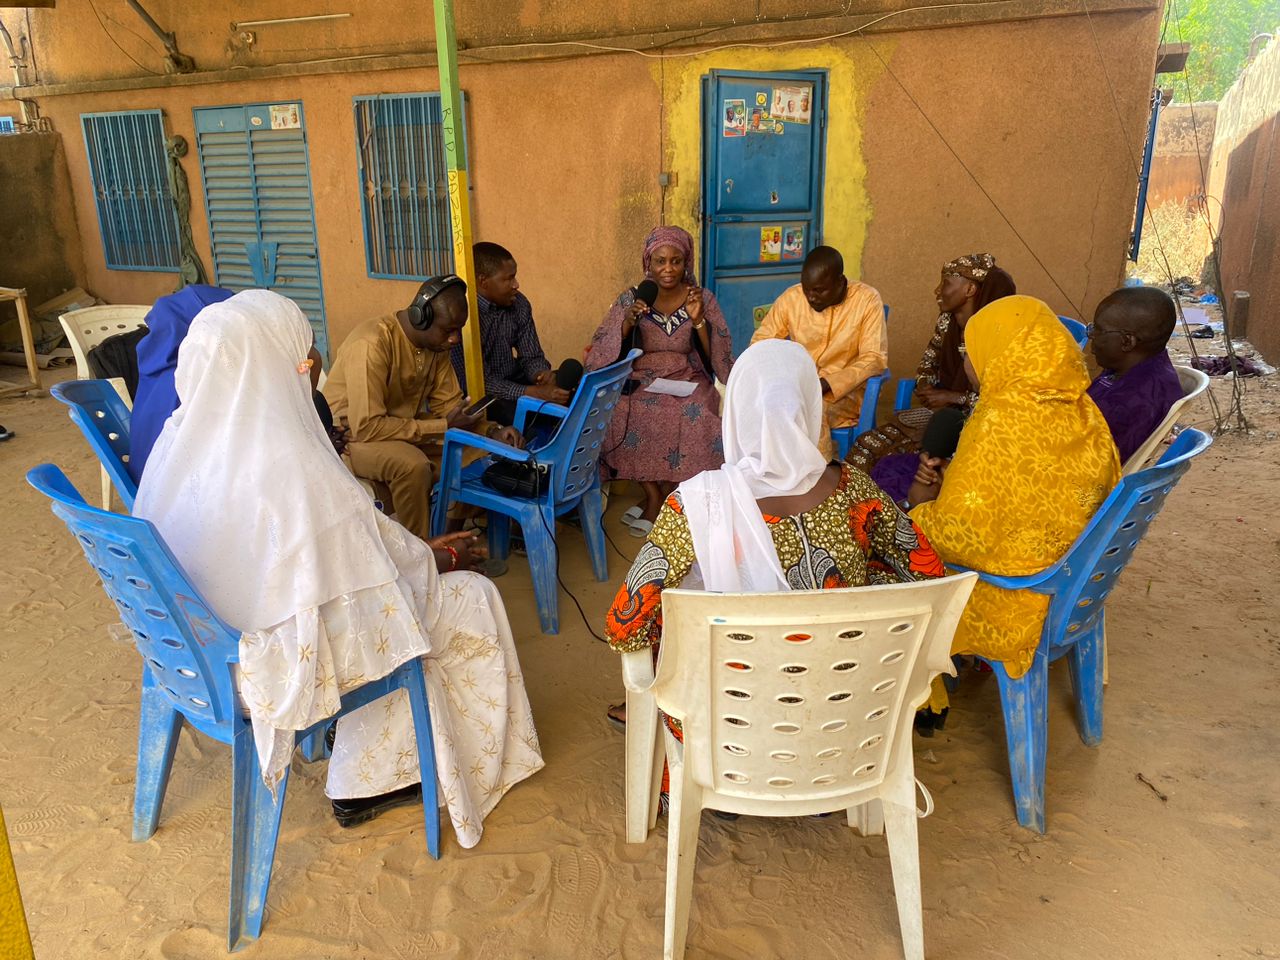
[127,167]
[404,194]
[257,186]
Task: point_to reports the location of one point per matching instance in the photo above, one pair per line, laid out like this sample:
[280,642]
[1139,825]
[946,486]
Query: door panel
[764,139]
[258,194]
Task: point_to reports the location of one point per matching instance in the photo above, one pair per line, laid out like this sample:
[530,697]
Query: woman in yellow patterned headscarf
[1034,462]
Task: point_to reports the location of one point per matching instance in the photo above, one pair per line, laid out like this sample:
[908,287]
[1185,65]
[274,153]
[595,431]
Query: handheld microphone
[942,433]
[647,292]
[568,375]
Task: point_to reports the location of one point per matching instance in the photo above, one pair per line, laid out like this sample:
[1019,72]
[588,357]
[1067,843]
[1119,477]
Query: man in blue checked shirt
[514,364]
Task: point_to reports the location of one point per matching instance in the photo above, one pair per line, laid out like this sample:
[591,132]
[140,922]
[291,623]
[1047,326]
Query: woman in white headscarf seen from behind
[776,516]
[329,594]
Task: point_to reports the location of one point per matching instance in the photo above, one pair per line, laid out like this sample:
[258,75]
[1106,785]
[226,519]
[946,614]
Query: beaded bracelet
[454,554]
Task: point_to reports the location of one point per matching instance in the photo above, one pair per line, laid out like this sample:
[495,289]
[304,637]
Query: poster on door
[284,116]
[770,244]
[793,243]
[735,118]
[793,104]
[759,313]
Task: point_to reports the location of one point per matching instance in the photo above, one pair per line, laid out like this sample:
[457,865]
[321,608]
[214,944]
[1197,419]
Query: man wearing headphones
[393,388]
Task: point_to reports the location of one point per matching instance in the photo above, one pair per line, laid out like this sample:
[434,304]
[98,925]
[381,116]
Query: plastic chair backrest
[1078,330]
[103,417]
[1088,573]
[801,696]
[188,649]
[88,327]
[1194,382]
[574,450]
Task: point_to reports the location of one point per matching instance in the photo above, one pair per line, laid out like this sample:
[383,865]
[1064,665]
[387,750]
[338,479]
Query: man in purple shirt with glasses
[1138,384]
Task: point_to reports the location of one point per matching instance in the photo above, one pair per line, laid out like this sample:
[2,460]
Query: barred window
[136,212]
[404,191]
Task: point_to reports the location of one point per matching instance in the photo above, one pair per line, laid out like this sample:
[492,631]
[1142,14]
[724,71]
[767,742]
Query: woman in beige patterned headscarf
[888,453]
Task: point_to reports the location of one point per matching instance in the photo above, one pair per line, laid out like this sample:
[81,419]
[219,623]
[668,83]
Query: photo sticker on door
[793,104]
[735,118]
[759,313]
[284,116]
[793,243]
[770,244]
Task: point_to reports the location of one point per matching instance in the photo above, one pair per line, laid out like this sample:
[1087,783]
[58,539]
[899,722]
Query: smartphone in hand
[479,406]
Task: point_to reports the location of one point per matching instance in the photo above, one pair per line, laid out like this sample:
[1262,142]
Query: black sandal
[349,813]
[927,721]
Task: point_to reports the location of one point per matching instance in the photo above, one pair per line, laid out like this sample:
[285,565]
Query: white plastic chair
[1194,383]
[801,703]
[88,327]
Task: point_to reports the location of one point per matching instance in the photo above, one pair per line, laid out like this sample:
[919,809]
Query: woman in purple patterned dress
[657,439]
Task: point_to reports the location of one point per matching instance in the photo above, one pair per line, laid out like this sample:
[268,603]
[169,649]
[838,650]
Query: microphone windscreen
[568,375]
[647,291]
[942,433]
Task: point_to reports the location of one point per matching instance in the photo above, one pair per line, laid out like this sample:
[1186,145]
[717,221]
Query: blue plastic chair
[1078,330]
[1078,586]
[103,418]
[907,386]
[187,675]
[572,459]
[843,437]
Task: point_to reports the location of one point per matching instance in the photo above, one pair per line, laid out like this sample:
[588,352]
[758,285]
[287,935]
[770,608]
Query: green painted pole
[455,155]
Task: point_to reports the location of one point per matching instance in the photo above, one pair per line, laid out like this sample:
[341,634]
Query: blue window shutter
[136,213]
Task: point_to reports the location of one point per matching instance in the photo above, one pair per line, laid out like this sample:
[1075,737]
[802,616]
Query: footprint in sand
[47,821]
[575,886]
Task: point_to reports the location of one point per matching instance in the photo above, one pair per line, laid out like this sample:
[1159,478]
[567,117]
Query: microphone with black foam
[568,375]
[646,291]
[942,433]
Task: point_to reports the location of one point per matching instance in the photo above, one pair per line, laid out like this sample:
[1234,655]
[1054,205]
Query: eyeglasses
[1092,332]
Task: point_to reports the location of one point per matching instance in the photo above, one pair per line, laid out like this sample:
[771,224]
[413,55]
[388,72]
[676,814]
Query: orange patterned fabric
[856,536]
[1034,463]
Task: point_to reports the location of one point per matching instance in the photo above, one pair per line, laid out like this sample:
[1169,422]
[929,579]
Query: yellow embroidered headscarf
[1035,460]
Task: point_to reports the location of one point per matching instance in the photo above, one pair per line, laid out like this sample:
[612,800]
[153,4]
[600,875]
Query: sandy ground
[1192,705]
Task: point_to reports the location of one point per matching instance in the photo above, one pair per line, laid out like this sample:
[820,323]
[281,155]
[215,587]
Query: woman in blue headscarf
[167,326]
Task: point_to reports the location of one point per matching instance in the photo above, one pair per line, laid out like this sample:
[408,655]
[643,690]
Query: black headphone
[421,316]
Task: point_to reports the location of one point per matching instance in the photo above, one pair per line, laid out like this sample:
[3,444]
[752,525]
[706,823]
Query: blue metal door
[763,137]
[257,190]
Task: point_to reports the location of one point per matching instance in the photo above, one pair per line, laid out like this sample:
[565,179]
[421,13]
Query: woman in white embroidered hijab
[281,540]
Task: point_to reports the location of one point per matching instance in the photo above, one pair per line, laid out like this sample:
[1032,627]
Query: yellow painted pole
[15,938]
[455,155]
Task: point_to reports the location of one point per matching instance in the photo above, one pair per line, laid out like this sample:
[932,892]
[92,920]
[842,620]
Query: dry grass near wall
[1178,233]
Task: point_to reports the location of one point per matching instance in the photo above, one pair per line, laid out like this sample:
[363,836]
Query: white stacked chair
[1194,383]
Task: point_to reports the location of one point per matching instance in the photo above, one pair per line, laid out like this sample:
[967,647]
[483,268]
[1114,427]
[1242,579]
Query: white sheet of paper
[672,388]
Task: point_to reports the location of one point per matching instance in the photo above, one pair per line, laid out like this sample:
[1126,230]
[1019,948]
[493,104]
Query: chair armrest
[637,670]
[1031,581]
[465,438]
[902,399]
[526,405]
